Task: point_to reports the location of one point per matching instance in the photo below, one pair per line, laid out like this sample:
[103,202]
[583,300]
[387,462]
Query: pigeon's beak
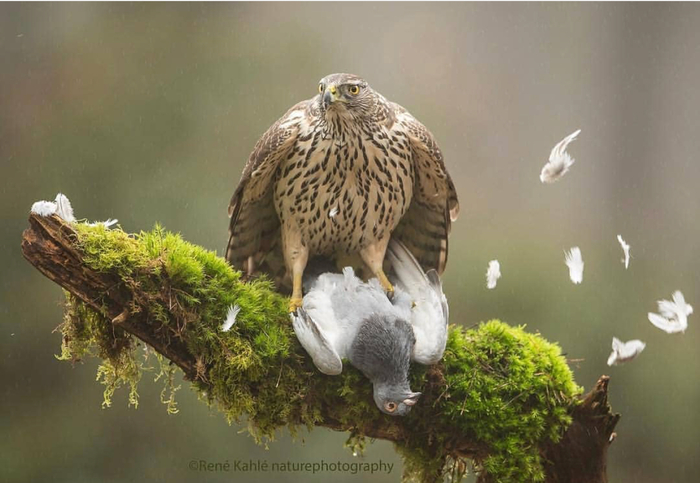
[412,399]
[330,95]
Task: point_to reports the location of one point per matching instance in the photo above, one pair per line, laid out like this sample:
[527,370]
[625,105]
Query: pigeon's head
[395,400]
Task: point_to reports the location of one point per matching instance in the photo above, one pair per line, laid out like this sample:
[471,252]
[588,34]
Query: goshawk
[339,175]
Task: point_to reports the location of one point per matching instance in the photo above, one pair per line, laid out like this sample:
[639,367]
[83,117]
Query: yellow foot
[294,304]
[386,284]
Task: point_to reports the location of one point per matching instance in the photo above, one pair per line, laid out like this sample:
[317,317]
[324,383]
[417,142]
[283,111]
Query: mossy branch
[501,399]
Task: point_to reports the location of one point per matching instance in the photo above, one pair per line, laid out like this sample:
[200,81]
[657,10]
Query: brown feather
[254,222]
[426,225]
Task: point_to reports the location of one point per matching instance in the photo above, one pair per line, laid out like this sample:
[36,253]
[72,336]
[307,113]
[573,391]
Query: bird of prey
[344,318]
[337,176]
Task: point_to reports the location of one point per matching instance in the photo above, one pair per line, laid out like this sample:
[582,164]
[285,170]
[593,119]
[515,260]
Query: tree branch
[501,398]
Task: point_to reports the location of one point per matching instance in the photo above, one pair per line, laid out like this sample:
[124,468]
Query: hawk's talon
[386,284]
[294,304]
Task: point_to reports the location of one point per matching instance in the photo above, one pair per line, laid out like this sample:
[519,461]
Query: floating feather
[493,274]
[624,351]
[626,249]
[559,160]
[575,263]
[674,315]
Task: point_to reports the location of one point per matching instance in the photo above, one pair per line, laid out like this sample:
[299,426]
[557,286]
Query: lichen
[506,390]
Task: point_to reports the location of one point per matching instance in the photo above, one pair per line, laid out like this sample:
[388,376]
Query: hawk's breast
[344,191]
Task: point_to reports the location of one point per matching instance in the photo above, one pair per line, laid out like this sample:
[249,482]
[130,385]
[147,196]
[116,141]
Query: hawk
[339,175]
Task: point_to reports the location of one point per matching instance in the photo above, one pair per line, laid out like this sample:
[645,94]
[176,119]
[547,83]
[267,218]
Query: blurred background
[147,113]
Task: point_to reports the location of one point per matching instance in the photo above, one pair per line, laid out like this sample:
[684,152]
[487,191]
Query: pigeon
[343,317]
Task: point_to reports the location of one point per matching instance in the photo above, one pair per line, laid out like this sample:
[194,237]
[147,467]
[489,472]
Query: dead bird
[343,317]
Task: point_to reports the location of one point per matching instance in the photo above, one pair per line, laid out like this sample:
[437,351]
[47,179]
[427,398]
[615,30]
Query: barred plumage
[339,175]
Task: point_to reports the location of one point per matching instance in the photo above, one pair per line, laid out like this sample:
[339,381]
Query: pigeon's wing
[311,337]
[429,314]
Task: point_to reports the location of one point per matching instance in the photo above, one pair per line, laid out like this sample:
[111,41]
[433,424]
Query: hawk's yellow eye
[320,88]
[390,406]
[354,90]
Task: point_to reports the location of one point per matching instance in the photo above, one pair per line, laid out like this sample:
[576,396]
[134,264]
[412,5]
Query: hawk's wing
[426,224]
[254,224]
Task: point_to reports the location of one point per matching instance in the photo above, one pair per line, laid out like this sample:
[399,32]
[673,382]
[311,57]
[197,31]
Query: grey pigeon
[343,317]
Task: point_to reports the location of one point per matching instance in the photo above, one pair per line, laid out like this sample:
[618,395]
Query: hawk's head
[345,93]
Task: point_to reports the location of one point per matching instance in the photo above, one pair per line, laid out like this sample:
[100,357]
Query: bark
[49,245]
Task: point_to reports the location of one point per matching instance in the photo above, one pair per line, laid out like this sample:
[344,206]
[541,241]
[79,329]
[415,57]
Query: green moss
[505,389]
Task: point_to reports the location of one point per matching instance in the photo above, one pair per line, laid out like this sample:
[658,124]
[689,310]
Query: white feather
[674,315]
[626,249]
[107,224]
[63,207]
[230,318]
[575,263]
[624,351]
[493,274]
[334,211]
[44,208]
[559,160]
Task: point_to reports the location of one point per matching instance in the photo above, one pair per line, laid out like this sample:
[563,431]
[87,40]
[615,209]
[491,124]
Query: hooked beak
[330,95]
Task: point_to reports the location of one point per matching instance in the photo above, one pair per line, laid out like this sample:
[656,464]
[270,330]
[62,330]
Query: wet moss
[506,390]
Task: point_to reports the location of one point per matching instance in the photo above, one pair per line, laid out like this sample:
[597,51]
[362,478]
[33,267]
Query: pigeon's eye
[390,406]
[320,88]
[354,90]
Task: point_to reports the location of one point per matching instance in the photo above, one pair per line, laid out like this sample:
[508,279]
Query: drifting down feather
[493,274]
[624,351]
[626,249]
[575,263]
[674,315]
[230,318]
[559,160]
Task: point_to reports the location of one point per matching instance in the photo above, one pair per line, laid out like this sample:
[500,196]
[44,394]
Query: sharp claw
[294,304]
[386,284]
